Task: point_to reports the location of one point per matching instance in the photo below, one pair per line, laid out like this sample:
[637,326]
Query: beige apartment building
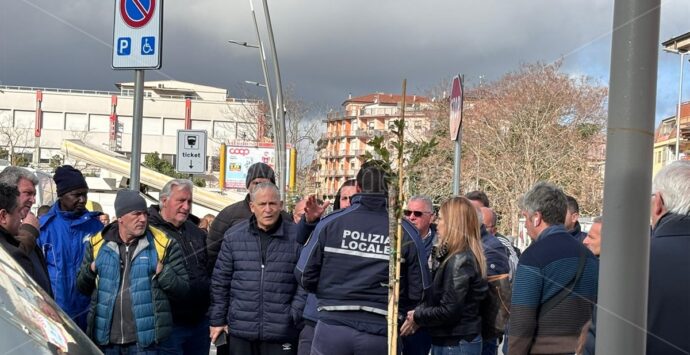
[665,139]
[362,118]
[104,119]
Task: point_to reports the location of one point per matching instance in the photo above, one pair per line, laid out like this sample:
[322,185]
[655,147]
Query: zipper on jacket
[261,303]
[191,246]
[122,291]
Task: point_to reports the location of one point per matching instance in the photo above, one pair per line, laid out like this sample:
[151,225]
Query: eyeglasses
[407,213]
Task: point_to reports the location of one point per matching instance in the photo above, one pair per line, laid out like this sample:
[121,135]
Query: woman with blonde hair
[451,313]
[205,223]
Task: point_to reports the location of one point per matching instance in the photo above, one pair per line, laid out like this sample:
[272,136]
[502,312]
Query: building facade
[347,132]
[35,121]
[665,139]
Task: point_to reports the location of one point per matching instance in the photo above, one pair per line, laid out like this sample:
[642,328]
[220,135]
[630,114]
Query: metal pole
[622,307]
[267,81]
[680,101]
[137,119]
[456,163]
[282,168]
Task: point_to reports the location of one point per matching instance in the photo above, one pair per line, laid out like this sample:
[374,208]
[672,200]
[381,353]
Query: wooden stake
[395,229]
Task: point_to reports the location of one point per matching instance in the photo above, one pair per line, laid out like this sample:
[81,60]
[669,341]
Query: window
[53,120]
[170,127]
[99,123]
[151,126]
[77,122]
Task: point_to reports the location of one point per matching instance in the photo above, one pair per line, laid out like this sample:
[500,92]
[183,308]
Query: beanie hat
[127,201]
[260,170]
[68,179]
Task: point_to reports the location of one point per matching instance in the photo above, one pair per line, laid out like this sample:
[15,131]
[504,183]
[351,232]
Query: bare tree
[531,125]
[15,136]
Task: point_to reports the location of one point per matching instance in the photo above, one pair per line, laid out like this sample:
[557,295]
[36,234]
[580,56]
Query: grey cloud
[327,49]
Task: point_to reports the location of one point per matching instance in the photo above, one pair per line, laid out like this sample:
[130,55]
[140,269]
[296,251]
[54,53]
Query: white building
[87,115]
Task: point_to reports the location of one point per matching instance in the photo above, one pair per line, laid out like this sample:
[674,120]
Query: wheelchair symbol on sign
[148,45]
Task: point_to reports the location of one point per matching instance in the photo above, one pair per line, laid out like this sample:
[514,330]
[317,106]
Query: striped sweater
[545,268]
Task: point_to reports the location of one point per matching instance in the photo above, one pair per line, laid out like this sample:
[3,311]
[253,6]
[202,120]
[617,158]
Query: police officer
[345,263]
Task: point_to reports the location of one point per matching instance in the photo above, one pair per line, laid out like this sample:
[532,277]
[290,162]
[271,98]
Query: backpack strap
[568,289]
[97,242]
[160,242]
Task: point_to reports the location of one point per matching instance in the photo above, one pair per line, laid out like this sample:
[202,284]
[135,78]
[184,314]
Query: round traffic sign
[455,107]
[137,13]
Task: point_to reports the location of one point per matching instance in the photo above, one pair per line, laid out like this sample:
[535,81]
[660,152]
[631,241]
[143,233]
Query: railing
[67,91]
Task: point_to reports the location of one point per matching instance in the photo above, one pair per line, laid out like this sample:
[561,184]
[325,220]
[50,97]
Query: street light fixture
[243,44]
[254,83]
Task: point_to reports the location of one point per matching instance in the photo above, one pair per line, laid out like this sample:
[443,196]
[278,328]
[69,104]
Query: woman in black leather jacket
[451,312]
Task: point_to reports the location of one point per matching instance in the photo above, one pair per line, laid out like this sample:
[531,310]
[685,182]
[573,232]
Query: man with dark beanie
[237,212]
[64,230]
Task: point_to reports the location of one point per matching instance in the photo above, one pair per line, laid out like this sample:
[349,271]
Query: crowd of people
[256,280]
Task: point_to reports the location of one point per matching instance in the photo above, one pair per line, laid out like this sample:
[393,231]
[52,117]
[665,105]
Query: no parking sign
[137,34]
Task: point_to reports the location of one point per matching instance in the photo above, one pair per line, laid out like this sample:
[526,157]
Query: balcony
[338,115]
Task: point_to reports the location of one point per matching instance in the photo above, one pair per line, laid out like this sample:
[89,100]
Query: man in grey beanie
[131,259]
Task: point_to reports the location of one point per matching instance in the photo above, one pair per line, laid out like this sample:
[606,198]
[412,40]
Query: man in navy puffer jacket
[345,263]
[254,295]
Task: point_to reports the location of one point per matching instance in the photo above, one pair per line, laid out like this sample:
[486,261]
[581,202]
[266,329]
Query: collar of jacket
[371,201]
[4,233]
[155,218]
[672,224]
[111,233]
[551,230]
[483,232]
[576,230]
[72,217]
[277,230]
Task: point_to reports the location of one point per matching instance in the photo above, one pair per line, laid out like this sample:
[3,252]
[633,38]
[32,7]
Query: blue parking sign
[124,46]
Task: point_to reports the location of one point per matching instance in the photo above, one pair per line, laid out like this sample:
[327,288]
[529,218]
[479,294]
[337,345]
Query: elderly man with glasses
[420,212]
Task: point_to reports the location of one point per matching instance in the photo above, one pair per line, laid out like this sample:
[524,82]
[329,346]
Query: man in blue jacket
[132,271]
[254,294]
[345,263]
[64,231]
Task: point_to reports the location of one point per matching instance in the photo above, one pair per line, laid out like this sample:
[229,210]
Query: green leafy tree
[155,162]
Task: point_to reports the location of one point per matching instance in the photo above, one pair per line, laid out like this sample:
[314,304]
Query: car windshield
[30,321]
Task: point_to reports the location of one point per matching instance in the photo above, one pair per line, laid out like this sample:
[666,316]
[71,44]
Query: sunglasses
[407,213]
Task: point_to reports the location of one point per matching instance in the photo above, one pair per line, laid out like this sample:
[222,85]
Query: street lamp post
[280,108]
[678,45]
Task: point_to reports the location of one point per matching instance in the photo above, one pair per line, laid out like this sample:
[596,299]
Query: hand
[215,332]
[312,210]
[93,266]
[409,327]
[31,219]
[159,268]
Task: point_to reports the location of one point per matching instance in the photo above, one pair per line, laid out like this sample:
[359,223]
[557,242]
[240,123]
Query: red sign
[38,121]
[137,13]
[456,107]
[187,114]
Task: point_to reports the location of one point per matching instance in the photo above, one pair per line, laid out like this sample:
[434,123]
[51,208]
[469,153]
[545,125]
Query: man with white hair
[669,264]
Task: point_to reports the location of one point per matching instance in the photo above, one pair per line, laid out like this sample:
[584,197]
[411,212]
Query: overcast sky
[328,49]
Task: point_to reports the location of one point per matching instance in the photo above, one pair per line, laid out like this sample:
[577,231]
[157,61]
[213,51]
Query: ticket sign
[191,151]
[137,34]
